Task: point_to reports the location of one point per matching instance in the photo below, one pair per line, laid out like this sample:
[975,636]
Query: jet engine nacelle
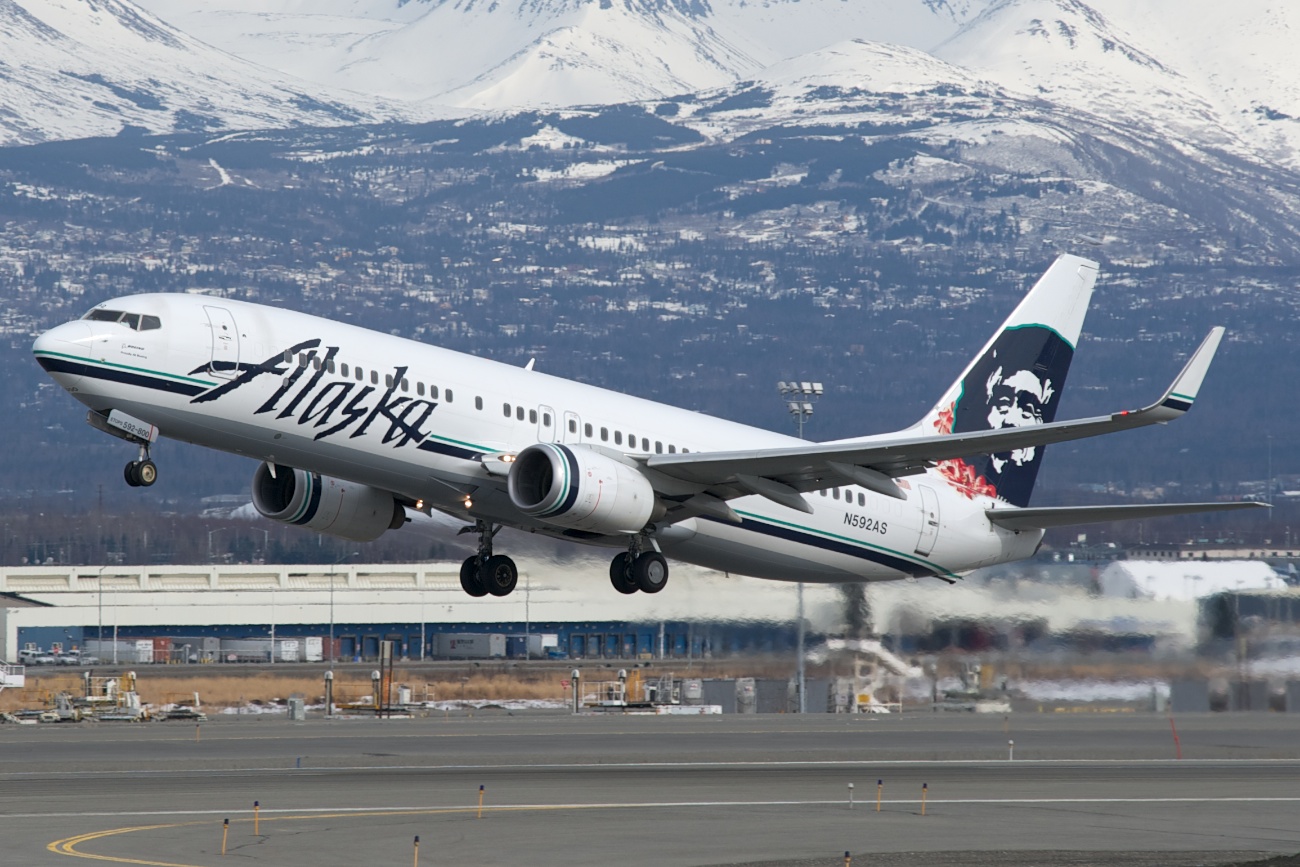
[581,489]
[326,505]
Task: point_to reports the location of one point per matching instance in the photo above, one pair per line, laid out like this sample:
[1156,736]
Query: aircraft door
[225,343]
[572,428]
[929,520]
[545,424]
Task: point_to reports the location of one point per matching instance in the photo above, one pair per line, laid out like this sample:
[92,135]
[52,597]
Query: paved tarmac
[636,790]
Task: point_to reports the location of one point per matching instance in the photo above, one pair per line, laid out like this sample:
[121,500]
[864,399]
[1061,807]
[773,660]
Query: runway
[1076,789]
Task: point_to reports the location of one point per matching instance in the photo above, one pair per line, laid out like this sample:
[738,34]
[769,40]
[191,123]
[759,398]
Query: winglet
[1182,393]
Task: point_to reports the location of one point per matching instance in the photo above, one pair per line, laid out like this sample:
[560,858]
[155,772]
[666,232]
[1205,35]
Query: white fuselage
[416,420]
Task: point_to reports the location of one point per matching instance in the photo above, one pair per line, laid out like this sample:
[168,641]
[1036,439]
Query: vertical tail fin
[1016,380]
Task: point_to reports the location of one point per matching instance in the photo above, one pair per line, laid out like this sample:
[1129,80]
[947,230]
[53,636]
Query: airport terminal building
[220,613]
[567,610]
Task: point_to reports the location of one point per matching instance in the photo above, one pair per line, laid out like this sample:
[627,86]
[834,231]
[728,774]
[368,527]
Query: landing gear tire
[140,474]
[499,575]
[469,578]
[650,572]
[620,574]
[147,472]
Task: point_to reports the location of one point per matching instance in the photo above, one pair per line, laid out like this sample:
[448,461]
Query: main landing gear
[486,572]
[141,473]
[638,569]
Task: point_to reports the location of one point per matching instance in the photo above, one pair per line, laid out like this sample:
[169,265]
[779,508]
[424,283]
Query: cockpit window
[134,321]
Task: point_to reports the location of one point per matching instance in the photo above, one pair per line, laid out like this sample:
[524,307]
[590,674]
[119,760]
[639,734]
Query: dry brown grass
[218,690]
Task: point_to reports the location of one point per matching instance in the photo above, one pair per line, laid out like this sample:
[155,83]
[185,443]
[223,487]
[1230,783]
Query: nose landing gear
[141,473]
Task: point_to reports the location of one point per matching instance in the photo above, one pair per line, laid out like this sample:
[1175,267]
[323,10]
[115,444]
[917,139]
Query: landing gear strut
[638,569]
[485,572]
[141,473]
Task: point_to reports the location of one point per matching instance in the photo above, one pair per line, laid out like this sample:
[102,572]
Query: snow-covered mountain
[74,68]
[1202,74]
[527,53]
[1200,70]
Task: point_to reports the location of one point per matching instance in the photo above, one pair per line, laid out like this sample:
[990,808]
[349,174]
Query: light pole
[798,398]
[334,566]
[210,534]
[100,582]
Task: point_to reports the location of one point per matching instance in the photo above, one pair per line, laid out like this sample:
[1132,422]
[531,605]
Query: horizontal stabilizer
[1070,516]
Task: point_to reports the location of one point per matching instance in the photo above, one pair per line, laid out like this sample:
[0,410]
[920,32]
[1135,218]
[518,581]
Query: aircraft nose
[62,349]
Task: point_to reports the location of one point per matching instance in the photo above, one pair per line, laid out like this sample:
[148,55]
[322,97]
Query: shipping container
[162,650]
[122,652]
[470,645]
[259,649]
[195,648]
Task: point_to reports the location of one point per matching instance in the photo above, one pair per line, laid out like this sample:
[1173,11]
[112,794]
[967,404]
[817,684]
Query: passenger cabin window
[388,380]
[586,430]
[288,357]
[419,389]
[532,416]
[618,438]
[478,402]
[546,419]
[659,447]
[433,392]
[449,395]
[862,499]
[573,426]
[343,368]
[835,493]
[519,413]
[329,365]
[505,408]
[672,449]
[374,377]
[406,384]
[315,362]
[604,434]
[361,374]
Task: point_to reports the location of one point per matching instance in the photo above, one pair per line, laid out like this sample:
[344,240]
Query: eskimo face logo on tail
[1017,383]
[332,405]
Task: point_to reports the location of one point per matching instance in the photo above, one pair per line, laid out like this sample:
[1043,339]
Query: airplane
[354,429]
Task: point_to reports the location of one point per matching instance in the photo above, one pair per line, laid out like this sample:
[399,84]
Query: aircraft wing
[782,475]
[1073,516]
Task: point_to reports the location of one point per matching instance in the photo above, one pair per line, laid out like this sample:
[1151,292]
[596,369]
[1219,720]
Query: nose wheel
[141,473]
